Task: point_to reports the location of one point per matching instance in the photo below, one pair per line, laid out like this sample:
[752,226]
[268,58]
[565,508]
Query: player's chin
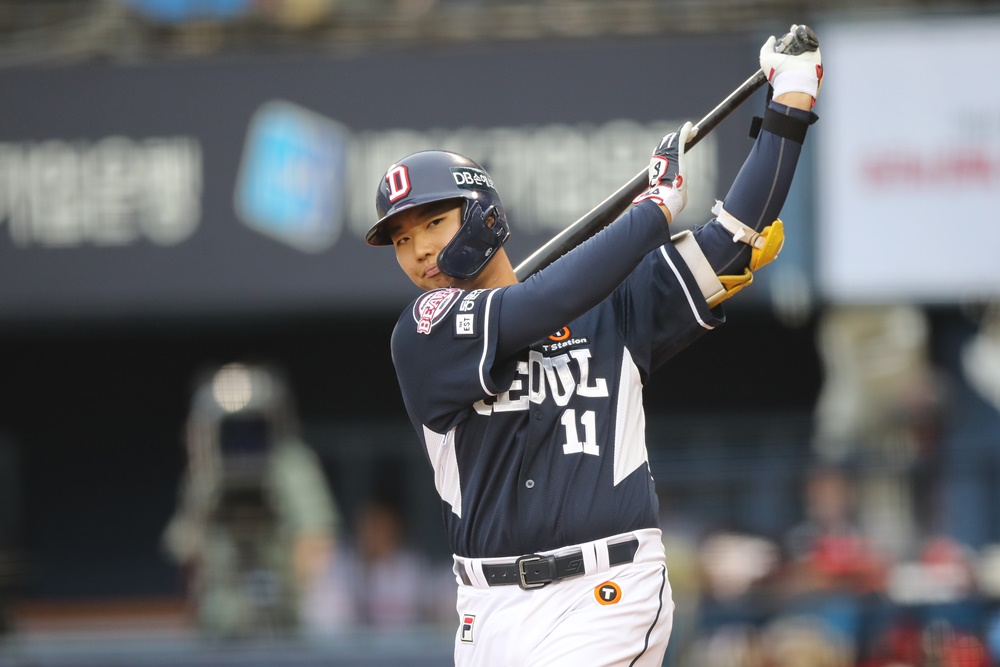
[436,281]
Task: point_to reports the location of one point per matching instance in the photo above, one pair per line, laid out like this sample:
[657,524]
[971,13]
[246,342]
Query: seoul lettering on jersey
[543,376]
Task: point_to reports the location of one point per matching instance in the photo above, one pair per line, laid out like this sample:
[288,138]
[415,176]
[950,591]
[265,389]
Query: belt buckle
[533,558]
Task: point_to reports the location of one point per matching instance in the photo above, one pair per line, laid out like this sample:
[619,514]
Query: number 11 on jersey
[573,444]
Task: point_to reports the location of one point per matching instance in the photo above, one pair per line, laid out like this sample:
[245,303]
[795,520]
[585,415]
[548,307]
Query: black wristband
[778,123]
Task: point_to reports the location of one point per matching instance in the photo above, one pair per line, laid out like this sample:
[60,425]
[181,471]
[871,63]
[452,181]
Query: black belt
[534,571]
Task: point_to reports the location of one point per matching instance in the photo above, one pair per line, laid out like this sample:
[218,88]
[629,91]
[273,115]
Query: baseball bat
[798,40]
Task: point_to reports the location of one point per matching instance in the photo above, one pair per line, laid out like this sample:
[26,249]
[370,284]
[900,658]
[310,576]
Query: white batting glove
[667,175]
[786,73]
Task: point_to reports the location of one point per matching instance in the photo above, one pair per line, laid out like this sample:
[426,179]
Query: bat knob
[800,38]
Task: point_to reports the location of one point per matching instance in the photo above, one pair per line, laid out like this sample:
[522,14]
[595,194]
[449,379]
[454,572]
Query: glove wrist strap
[796,81]
[778,123]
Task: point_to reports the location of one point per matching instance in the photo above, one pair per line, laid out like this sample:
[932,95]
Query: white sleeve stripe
[687,292]
[486,344]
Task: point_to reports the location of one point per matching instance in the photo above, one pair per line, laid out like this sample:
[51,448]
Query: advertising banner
[246,185]
[909,167]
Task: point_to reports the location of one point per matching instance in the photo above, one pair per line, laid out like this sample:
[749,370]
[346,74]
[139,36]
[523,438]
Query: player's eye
[401,240]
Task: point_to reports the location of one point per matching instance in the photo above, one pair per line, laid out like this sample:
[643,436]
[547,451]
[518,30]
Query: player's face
[419,234]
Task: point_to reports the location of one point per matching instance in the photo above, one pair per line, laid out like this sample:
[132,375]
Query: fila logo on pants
[468,620]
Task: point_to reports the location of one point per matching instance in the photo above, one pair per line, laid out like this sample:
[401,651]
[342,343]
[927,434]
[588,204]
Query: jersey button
[538,414]
[530,484]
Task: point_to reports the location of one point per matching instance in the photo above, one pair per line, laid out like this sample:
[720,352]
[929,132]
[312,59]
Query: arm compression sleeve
[756,196]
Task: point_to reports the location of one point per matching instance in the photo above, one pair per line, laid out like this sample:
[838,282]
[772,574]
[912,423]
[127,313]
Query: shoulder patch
[465,325]
[432,307]
[465,321]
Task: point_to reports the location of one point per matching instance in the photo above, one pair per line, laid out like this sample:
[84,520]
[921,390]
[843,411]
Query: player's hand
[667,175]
[787,73]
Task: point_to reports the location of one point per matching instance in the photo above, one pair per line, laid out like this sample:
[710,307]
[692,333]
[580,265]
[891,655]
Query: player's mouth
[431,271]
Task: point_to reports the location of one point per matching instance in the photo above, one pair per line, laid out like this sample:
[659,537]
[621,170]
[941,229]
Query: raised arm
[745,234]
[585,276]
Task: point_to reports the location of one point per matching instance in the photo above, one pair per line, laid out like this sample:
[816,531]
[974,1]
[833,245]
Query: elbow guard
[765,245]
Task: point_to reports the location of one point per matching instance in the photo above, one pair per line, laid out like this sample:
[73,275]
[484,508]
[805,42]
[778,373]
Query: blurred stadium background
[184,189]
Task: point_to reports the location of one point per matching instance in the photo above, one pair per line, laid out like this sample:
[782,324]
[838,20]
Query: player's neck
[498,272]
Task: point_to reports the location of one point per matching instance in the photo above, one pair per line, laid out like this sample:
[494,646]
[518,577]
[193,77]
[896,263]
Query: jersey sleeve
[444,352]
[661,310]
[580,279]
[453,348]
[660,304]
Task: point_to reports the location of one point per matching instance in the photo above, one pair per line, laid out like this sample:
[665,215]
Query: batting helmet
[430,176]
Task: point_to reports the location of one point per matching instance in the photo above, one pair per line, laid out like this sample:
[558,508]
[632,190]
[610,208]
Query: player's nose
[424,246]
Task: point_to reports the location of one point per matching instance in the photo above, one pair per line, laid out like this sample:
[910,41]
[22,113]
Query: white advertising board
[908,169]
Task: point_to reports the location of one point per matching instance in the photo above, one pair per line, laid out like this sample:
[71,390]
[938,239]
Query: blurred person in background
[970,350]
[833,572]
[828,543]
[880,407]
[394,584]
[803,642]
[378,581]
[256,522]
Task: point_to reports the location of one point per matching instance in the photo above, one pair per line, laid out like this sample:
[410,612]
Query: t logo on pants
[608,593]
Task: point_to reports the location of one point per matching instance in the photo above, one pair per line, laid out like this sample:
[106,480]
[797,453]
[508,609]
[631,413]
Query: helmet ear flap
[475,242]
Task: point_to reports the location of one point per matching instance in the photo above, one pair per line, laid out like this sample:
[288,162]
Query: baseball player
[528,395]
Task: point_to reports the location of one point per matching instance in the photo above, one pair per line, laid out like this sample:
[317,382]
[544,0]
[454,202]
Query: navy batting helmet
[430,176]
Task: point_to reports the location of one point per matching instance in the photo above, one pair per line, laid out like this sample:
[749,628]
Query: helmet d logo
[398,180]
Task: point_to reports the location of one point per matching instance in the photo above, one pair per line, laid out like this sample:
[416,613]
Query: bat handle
[800,38]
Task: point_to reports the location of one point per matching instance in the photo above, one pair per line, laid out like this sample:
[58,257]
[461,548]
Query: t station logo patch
[561,335]
[608,593]
[562,339]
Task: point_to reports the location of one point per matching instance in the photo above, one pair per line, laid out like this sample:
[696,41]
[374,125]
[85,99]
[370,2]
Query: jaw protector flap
[475,242]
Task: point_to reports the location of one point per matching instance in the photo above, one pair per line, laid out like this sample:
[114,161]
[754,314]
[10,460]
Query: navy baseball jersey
[528,398]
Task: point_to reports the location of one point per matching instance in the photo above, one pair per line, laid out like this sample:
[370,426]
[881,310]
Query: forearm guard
[765,246]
